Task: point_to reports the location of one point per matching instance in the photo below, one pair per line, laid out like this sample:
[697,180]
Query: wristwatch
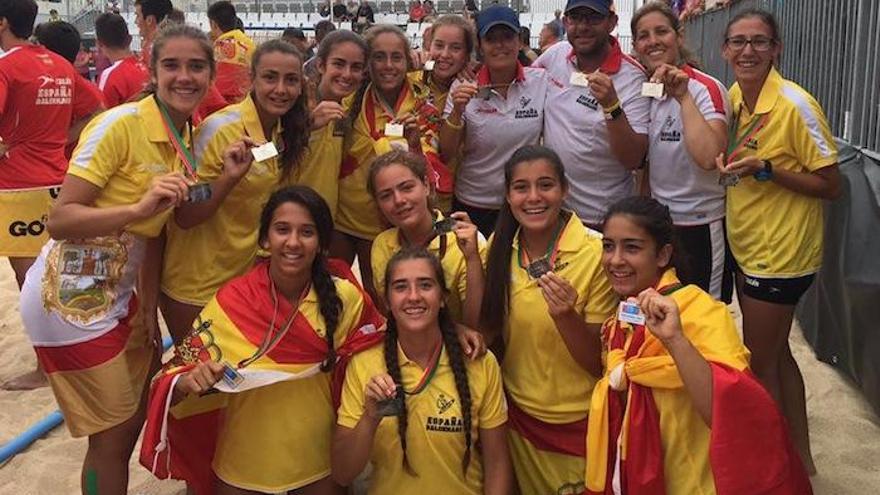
[766,173]
[617,112]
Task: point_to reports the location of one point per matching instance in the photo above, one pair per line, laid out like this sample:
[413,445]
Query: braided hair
[329,303]
[453,350]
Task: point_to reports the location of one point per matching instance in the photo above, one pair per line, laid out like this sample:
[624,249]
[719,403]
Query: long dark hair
[663,9]
[453,350]
[496,298]
[655,219]
[296,122]
[329,302]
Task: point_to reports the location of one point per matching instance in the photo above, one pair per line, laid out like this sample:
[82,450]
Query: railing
[832,49]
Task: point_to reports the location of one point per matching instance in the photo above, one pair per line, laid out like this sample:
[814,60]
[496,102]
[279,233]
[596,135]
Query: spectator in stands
[364,17]
[526,55]
[232,51]
[310,68]
[126,76]
[483,127]
[340,11]
[470,7]
[783,150]
[428,8]
[551,33]
[297,38]
[33,133]
[596,117]
[147,16]
[416,11]
[53,16]
[325,10]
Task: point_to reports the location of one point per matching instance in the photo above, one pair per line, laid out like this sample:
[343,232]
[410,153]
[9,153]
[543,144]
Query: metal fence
[832,49]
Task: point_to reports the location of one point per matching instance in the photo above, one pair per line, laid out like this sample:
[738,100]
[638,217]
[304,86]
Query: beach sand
[845,431]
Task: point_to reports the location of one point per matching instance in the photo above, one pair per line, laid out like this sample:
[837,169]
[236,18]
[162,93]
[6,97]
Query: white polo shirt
[575,128]
[693,195]
[494,129]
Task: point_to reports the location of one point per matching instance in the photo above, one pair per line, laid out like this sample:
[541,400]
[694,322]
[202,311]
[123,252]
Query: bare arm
[823,183]
[497,467]
[627,146]
[149,281]
[703,140]
[452,127]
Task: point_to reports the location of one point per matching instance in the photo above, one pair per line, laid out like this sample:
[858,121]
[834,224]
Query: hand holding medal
[166,191]
[325,112]
[669,78]
[559,294]
[381,397]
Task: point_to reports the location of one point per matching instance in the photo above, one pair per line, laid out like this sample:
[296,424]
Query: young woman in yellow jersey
[393,111]
[341,64]
[94,337]
[213,241]
[281,327]
[677,411]
[417,407]
[399,184]
[546,297]
[784,158]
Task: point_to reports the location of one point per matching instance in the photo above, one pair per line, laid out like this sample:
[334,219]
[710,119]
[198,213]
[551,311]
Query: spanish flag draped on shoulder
[180,440]
[646,437]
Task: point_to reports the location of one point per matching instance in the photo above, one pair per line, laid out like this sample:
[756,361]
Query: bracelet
[612,108]
[453,125]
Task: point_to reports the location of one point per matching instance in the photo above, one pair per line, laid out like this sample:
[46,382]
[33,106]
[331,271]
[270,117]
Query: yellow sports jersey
[357,214]
[319,167]
[435,441]
[120,151]
[540,375]
[775,232]
[454,264]
[277,438]
[201,259]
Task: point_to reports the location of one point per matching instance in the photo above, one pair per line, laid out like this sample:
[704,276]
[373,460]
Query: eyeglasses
[759,43]
[591,18]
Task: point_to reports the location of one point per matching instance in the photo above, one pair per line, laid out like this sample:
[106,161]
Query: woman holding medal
[212,241]
[94,337]
[486,120]
[546,296]
[341,65]
[688,130]
[393,111]
[272,336]
[783,154]
[398,182]
[417,407]
[677,411]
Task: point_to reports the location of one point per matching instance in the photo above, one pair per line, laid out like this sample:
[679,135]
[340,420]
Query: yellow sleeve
[379,256]
[352,307]
[351,406]
[813,143]
[102,149]
[493,407]
[710,328]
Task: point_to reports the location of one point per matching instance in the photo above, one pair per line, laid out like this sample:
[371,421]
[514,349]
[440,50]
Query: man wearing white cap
[595,115]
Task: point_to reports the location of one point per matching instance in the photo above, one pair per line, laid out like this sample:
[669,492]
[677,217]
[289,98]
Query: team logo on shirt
[54,91]
[452,424]
[667,133]
[526,113]
[21,228]
[588,101]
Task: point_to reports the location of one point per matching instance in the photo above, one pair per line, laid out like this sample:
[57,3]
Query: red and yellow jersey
[357,214]
[232,52]
[123,80]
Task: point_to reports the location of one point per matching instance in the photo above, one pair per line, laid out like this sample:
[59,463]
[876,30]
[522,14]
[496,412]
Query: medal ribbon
[390,113]
[272,339]
[183,152]
[429,373]
[552,250]
[737,144]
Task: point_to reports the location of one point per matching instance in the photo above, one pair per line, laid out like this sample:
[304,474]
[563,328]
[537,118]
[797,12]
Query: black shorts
[787,291]
[704,259]
[483,218]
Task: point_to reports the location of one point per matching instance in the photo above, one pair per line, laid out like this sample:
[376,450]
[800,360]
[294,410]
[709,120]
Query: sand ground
[845,432]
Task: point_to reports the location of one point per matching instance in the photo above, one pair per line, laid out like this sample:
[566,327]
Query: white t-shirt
[575,128]
[693,195]
[495,128]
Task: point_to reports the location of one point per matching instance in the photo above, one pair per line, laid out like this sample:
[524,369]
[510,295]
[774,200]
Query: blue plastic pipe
[42,427]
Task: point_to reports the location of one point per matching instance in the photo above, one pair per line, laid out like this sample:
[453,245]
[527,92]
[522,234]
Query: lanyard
[389,112]
[271,340]
[552,250]
[429,373]
[735,143]
[183,152]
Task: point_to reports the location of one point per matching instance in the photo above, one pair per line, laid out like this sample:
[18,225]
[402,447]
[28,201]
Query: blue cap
[496,15]
[601,6]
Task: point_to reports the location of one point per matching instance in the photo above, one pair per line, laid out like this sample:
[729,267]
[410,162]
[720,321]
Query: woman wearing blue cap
[488,119]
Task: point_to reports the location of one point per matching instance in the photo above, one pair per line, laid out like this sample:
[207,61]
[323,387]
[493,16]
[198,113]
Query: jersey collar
[769,93]
[149,112]
[484,80]
[613,60]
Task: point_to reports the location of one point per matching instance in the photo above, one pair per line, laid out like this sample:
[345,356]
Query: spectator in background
[177,16]
[126,75]
[428,8]
[550,34]
[470,7]
[325,9]
[364,17]
[53,16]
[322,29]
[82,60]
[147,16]
[526,55]
[232,51]
[416,11]
[297,38]
[340,11]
